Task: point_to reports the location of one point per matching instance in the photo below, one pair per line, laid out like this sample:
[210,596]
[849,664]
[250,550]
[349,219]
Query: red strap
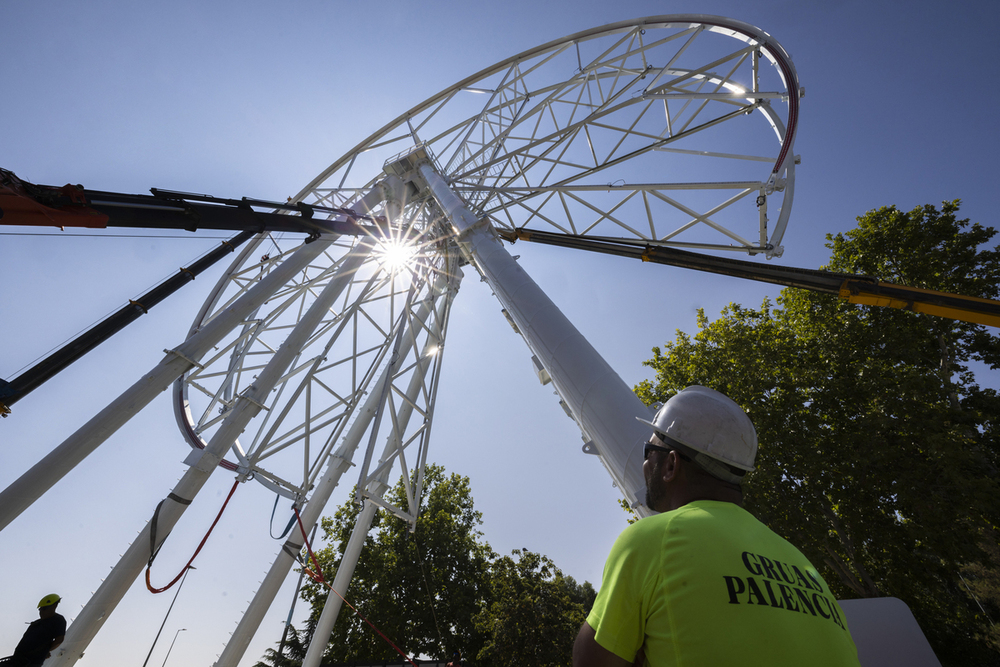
[319,570]
[317,576]
[196,551]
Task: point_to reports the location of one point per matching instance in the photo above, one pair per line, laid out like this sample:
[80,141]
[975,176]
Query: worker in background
[456,660]
[42,636]
[704,582]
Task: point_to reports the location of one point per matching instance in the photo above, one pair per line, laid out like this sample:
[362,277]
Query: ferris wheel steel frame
[489,163]
[564,136]
[432,316]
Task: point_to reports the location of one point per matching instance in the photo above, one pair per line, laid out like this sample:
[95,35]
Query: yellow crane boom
[850,287]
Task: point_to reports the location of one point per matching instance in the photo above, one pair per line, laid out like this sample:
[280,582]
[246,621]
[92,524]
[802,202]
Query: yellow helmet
[49,600]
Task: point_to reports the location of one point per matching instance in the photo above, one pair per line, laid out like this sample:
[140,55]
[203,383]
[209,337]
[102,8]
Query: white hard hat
[711,424]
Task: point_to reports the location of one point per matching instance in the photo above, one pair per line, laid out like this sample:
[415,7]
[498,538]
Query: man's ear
[671,466]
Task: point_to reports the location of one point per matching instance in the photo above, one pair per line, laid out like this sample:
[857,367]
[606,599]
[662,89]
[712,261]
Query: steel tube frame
[334,600]
[339,463]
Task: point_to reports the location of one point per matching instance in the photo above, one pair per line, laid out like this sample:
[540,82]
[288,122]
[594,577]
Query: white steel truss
[567,136]
[412,375]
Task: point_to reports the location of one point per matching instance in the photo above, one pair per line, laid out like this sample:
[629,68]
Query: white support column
[339,463]
[30,486]
[331,609]
[95,613]
[601,403]
[334,600]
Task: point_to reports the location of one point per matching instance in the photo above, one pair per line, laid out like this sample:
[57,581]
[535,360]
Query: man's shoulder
[56,622]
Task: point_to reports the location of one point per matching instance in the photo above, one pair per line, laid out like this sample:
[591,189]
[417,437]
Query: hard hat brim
[740,466]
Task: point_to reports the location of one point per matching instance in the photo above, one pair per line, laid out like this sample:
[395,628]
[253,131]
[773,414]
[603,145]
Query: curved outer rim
[738,29]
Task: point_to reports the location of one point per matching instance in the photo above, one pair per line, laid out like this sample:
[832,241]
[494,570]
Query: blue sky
[254,99]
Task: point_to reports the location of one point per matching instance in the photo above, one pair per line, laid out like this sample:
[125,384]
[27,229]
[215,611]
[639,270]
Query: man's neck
[724,495]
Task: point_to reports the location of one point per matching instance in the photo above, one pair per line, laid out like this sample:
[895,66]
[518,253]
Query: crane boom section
[24,203]
[853,288]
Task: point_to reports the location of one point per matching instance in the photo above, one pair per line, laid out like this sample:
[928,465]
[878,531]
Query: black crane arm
[24,203]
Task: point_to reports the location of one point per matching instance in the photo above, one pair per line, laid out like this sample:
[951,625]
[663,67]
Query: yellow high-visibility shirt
[708,584]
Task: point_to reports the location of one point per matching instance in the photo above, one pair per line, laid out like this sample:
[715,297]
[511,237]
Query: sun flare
[395,255]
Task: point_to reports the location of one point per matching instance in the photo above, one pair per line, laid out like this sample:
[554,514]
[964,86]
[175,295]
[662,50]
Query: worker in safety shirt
[704,582]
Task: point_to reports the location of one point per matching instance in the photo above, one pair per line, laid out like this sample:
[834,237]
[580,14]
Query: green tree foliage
[441,589]
[293,652]
[983,583]
[421,589]
[879,450]
[534,614]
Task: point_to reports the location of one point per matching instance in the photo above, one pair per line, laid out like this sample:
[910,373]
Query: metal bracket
[245,396]
[185,358]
